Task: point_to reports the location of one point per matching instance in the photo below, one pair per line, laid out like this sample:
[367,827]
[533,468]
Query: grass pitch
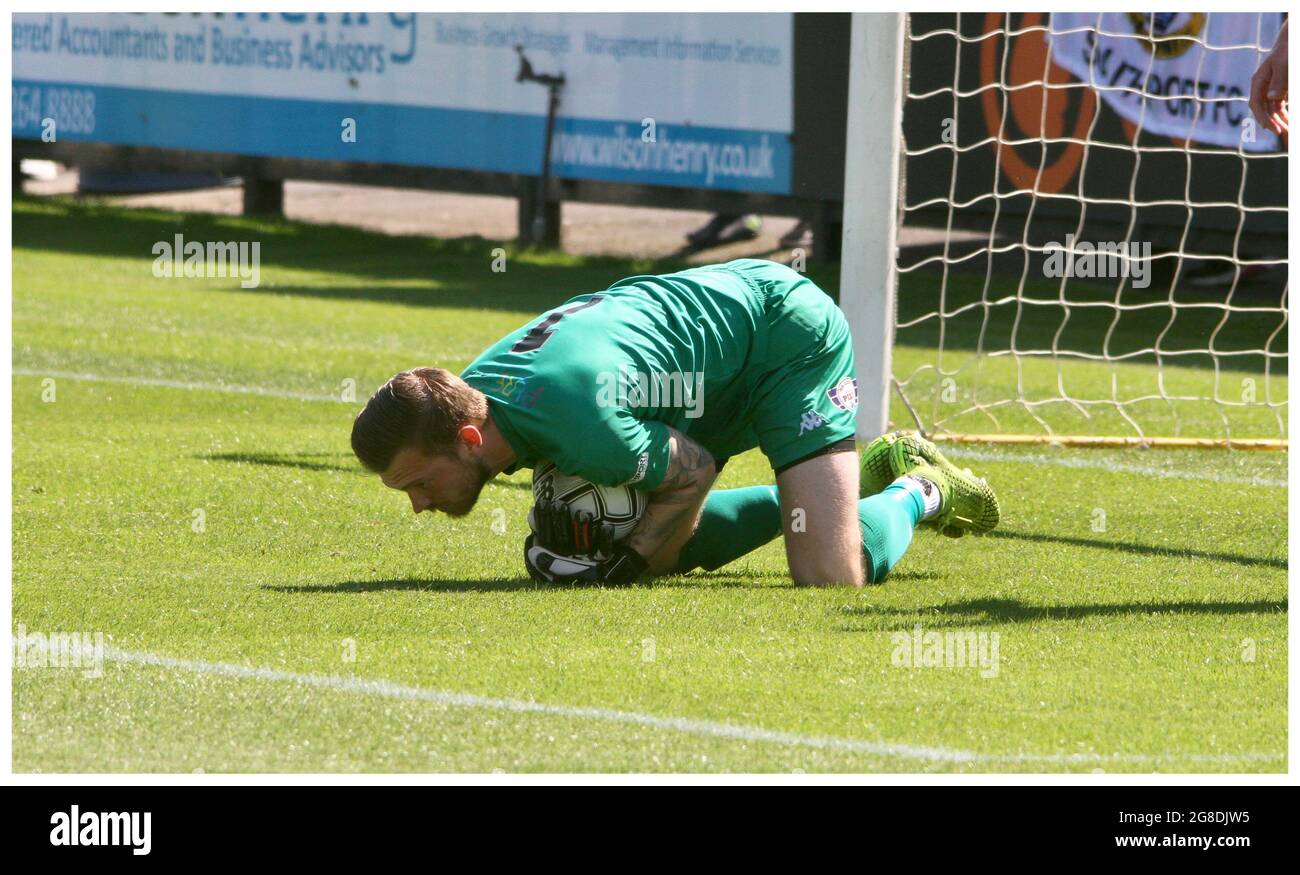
[188,492]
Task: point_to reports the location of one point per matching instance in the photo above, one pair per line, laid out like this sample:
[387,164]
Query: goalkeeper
[655,383]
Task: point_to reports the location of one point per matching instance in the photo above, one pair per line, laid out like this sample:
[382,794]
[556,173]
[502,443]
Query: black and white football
[620,506]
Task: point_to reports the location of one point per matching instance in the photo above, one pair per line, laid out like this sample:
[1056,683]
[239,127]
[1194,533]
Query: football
[620,506]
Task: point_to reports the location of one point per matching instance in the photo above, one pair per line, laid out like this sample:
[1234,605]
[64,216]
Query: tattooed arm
[674,507]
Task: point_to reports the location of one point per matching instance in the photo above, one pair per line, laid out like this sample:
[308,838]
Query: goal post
[1065,229]
[868,261]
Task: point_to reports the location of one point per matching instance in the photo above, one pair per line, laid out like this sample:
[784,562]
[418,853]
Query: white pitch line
[391,690]
[178,384]
[1064,461]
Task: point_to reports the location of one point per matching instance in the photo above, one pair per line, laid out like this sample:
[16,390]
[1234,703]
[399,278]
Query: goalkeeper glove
[569,546]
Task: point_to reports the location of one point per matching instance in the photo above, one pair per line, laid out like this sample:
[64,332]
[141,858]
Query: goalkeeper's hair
[420,408]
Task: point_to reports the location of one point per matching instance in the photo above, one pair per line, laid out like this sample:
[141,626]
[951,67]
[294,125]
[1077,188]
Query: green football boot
[892,455]
[966,502]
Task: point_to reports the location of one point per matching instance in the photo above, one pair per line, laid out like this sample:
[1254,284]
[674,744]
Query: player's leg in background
[819,502]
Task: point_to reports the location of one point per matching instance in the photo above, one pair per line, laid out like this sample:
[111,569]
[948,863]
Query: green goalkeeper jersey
[594,384]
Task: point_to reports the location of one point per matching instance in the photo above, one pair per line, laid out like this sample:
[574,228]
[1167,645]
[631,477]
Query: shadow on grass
[984,612]
[1141,549]
[419,584]
[693,580]
[1089,324]
[410,270]
[702,579]
[285,460]
[906,576]
[510,484]
[303,462]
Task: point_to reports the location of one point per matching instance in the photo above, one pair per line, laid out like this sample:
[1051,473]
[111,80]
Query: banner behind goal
[1085,229]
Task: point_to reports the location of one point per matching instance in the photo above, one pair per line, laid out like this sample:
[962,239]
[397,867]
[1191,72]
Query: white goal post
[870,227]
[1065,229]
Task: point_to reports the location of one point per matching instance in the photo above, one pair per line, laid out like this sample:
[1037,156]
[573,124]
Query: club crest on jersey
[844,394]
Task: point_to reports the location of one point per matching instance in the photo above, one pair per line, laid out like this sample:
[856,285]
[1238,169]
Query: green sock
[734,522]
[887,521]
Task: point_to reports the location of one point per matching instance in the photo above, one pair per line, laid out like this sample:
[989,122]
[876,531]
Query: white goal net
[1092,230]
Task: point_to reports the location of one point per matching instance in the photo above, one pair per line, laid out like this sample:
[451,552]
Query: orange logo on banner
[1168,34]
[1035,111]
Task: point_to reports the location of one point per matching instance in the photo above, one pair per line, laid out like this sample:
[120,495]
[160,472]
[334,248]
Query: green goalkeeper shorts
[805,397]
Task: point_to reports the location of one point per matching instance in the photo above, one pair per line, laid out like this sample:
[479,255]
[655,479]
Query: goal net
[1091,231]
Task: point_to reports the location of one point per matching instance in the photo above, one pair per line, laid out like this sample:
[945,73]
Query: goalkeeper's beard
[470,478]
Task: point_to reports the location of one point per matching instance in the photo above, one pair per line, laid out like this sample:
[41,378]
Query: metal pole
[543,182]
